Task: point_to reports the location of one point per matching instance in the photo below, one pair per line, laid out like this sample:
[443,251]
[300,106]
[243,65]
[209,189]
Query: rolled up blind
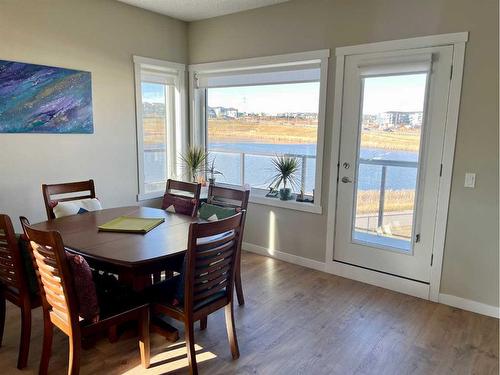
[420,63]
[265,76]
[158,76]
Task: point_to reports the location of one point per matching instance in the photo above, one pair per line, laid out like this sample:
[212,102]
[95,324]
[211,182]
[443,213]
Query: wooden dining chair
[60,306]
[14,287]
[183,196]
[49,191]
[235,198]
[208,280]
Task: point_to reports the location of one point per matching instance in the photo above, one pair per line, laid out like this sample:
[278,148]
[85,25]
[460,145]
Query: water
[259,171]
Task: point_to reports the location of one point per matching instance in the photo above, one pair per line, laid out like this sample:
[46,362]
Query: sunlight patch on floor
[172,358]
[272,233]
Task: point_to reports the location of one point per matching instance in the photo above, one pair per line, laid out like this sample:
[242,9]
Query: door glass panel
[154,124]
[387,165]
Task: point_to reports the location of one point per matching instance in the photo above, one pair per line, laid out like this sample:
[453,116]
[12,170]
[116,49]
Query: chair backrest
[212,252]
[66,188]
[229,196]
[54,278]
[12,272]
[180,191]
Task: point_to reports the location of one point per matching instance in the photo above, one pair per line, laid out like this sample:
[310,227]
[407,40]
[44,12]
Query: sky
[403,93]
[270,99]
[381,94]
[153,92]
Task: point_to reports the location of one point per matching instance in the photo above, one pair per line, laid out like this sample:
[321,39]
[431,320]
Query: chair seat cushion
[88,305]
[179,205]
[212,212]
[24,248]
[170,291]
[113,296]
[75,207]
[166,291]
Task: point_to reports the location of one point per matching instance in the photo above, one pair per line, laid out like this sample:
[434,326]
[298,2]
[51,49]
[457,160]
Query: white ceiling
[193,10]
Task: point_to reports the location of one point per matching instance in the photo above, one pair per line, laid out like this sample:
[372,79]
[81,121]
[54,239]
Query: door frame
[415,288]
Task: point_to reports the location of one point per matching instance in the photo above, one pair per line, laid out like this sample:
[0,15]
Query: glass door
[394,111]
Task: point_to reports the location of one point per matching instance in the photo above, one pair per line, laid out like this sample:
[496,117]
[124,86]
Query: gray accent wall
[471,259]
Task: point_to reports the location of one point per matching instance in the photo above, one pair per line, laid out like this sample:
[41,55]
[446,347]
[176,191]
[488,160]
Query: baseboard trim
[470,305]
[397,284]
[286,257]
[382,280]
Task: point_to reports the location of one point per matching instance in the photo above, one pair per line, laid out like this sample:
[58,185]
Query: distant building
[221,112]
[392,119]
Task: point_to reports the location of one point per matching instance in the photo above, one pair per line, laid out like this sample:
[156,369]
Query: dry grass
[267,131]
[277,131]
[154,130]
[401,140]
[395,201]
[284,132]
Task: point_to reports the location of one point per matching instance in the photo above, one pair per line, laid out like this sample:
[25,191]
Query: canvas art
[44,99]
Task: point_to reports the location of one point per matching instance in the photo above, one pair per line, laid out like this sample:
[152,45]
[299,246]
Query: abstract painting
[44,99]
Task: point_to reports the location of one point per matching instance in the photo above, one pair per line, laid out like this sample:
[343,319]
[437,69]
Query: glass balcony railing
[256,169]
[385,201]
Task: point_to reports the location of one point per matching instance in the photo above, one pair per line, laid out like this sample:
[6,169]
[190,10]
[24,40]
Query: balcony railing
[384,164]
[244,162]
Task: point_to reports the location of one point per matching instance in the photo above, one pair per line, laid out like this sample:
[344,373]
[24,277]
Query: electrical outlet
[470,180]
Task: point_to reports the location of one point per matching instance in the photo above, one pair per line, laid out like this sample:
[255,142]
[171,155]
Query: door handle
[346,180]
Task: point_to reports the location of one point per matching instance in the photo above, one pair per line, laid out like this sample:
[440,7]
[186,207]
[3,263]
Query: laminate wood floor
[298,321]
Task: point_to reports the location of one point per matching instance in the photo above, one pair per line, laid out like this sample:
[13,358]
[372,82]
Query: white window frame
[199,122]
[176,111]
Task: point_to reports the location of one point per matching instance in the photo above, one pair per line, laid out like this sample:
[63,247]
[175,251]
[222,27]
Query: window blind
[263,76]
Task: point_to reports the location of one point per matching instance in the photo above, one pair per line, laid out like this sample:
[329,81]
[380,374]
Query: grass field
[395,200]
[275,131]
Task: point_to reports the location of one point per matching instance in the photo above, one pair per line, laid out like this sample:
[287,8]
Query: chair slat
[202,270]
[206,285]
[210,292]
[211,276]
[208,261]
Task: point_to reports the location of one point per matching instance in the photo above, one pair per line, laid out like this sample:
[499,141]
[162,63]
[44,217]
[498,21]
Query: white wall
[99,36]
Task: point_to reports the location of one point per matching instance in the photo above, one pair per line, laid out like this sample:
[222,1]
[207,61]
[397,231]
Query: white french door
[393,126]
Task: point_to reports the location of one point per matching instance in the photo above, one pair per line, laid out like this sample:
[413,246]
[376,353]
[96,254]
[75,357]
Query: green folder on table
[128,224]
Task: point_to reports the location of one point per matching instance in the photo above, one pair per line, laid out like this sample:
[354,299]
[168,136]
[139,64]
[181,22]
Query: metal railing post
[303,176]
[242,168]
[382,197]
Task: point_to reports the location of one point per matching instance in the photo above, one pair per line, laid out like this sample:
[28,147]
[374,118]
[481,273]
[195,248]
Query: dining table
[133,257]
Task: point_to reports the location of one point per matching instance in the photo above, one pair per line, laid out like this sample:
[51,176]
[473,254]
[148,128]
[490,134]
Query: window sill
[260,198]
[147,196]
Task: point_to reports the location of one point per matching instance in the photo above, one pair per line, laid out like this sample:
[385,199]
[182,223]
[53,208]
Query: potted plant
[213,172]
[194,161]
[285,168]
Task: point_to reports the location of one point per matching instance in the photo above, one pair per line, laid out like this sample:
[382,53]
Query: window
[249,113]
[160,103]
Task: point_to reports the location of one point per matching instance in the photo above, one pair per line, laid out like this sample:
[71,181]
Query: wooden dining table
[131,256]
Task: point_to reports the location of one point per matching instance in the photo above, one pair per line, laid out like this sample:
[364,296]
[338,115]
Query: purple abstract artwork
[44,99]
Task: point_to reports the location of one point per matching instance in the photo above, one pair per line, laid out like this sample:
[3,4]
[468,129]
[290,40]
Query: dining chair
[181,197]
[233,197]
[49,191]
[14,286]
[207,281]
[60,306]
